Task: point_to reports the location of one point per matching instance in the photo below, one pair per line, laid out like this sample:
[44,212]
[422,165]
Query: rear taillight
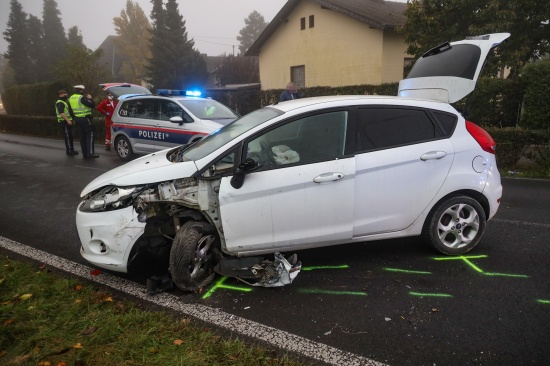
[482,137]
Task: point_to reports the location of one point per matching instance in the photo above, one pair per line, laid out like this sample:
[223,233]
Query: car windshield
[219,138]
[123,89]
[207,109]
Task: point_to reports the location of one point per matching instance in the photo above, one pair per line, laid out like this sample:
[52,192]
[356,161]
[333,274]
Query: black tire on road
[192,256]
[123,148]
[455,226]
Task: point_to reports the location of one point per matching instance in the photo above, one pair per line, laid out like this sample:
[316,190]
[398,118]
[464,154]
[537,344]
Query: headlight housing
[110,198]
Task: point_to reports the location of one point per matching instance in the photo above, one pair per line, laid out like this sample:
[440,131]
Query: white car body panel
[147,169]
[381,203]
[117,230]
[285,208]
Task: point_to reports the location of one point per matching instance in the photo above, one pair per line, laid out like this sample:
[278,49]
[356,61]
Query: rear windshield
[207,109]
[117,91]
[459,60]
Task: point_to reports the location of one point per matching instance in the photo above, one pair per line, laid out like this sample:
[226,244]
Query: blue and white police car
[146,123]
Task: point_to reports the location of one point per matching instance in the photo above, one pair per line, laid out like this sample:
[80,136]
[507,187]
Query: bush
[32,100]
[516,143]
[495,102]
[536,108]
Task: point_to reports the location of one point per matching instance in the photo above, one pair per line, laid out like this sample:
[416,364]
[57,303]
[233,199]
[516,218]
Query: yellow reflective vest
[65,110]
[79,109]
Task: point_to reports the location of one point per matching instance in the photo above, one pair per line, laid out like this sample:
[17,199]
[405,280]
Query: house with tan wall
[332,43]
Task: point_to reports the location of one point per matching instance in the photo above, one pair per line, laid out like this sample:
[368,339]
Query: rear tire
[192,258]
[455,226]
[123,148]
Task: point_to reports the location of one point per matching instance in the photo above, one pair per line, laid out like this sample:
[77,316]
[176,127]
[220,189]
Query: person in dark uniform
[65,120]
[81,106]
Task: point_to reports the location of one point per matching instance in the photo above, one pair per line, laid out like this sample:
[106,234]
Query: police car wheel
[123,148]
[192,258]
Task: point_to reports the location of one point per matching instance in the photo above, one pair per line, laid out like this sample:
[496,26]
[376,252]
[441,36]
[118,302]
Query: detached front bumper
[108,237]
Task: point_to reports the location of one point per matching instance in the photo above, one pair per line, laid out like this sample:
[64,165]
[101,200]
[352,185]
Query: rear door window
[386,127]
[139,108]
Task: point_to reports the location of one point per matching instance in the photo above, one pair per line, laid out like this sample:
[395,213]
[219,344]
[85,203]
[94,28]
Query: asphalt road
[396,301]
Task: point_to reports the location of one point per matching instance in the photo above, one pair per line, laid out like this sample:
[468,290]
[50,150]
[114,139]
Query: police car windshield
[219,138]
[207,109]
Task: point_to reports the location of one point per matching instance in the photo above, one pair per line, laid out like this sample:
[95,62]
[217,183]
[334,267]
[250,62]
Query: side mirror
[177,119]
[248,166]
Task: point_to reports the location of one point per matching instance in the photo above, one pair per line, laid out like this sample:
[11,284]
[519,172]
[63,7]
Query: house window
[311,21]
[298,75]
[302,23]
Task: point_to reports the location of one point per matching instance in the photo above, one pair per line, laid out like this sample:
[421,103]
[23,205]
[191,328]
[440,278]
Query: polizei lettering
[155,135]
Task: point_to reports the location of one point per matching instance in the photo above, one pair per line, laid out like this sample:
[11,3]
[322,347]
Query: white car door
[305,199]
[402,160]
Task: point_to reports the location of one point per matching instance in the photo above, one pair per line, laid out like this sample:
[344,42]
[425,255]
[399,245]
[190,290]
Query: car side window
[139,108]
[387,127]
[169,109]
[447,122]
[310,139]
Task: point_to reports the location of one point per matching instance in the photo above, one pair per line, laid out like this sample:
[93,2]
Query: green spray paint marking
[312,268]
[330,292]
[423,294]
[505,275]
[543,301]
[220,284]
[406,271]
[466,258]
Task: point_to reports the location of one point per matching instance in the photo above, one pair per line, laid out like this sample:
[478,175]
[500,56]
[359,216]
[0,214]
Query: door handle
[433,155]
[328,177]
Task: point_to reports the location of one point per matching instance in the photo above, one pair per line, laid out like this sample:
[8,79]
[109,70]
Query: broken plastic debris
[276,273]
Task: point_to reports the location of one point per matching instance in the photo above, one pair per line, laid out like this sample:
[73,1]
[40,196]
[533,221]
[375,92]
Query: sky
[213,24]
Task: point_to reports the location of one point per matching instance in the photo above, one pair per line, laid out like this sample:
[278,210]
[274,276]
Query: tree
[54,41]
[432,22]
[81,66]
[238,70]
[16,36]
[254,26]
[174,63]
[74,38]
[35,47]
[133,30]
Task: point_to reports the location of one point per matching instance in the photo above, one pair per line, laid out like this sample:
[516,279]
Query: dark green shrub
[536,108]
[514,143]
[495,102]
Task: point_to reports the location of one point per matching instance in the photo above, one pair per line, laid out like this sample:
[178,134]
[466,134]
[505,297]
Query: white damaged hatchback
[303,174]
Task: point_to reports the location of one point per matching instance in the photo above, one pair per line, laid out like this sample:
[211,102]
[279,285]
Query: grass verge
[46,319]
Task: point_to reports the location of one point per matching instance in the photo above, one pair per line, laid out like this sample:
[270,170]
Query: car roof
[346,100]
[133,96]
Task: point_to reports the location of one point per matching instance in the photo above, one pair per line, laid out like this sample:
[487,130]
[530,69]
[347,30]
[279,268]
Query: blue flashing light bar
[187,93]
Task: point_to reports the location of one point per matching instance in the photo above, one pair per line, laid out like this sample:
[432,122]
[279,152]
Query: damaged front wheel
[191,258]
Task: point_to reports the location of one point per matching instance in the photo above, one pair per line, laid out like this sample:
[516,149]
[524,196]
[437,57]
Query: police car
[143,123]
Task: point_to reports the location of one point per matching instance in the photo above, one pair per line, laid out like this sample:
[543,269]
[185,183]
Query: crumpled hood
[147,169]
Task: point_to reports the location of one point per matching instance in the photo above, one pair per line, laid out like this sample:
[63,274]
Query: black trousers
[86,130]
[67,132]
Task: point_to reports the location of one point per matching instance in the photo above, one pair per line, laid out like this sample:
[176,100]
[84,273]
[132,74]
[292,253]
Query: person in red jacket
[107,107]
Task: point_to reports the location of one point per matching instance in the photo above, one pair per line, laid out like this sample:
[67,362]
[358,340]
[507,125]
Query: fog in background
[213,24]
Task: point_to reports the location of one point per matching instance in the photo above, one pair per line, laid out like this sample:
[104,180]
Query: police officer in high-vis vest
[81,106]
[65,121]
